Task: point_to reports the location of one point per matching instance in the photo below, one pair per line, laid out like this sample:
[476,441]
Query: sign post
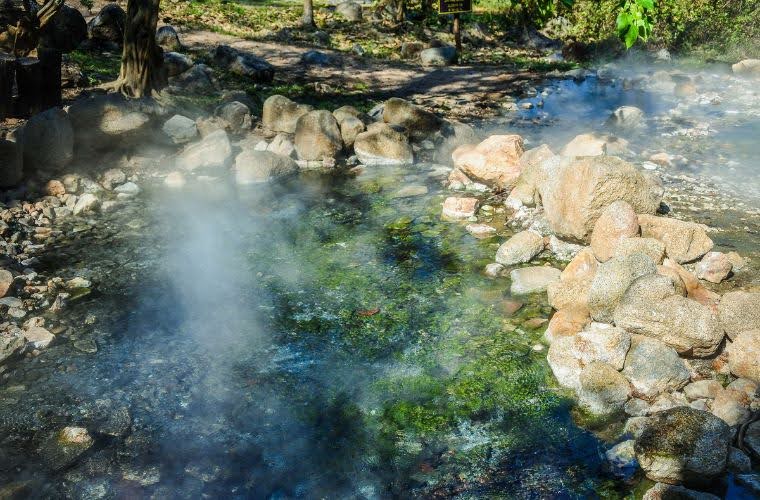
[455,7]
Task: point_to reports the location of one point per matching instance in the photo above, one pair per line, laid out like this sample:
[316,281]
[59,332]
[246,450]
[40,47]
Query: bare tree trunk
[142,71]
[308,13]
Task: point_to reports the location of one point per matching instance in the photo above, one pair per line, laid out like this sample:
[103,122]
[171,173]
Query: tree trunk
[308,13]
[142,70]
[50,60]
[29,83]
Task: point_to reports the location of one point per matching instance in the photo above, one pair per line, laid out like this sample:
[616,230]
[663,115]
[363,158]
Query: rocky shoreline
[639,333]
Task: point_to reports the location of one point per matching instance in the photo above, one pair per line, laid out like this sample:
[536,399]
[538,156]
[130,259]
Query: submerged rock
[534,279]
[627,117]
[63,448]
[520,248]
[683,445]
[460,208]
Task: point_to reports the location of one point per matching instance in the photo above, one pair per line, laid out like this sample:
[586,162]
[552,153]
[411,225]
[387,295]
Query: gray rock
[568,355]
[180,129]
[747,67]
[621,459]
[88,202]
[318,136]
[317,58]
[352,11]
[253,167]
[627,117]
[603,390]
[744,355]
[196,80]
[653,367]
[213,151]
[520,248]
[683,445]
[108,25]
[176,63]
[382,145]
[237,116]
[738,461]
[438,56]
[738,311]
[533,279]
[244,64]
[702,389]
[650,307]
[111,178]
[64,448]
[611,281]
[66,31]
[280,114]
[48,141]
[168,39]
[350,128]
[282,145]
[127,190]
[11,343]
[752,439]
[451,135]
[684,241]
[101,121]
[418,123]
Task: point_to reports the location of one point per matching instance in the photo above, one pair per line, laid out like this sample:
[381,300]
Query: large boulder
[108,25]
[176,63]
[236,115]
[383,145]
[572,289]
[684,241]
[180,129]
[747,67]
[280,114]
[744,354]
[48,141]
[532,279]
[253,167]
[350,128]
[418,123]
[318,136]
[243,64]
[495,162]
[520,248]
[683,445]
[617,222]
[739,311]
[66,31]
[611,281]
[651,307]
[12,167]
[653,367]
[105,121]
[198,79]
[211,152]
[568,356]
[583,188]
[651,247]
[603,389]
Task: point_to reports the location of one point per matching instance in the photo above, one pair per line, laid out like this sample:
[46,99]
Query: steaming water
[324,338]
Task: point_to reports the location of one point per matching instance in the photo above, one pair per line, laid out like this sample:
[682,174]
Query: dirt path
[462,91]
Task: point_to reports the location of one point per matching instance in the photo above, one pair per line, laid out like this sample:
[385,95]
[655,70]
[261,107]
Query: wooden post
[29,82]
[7,78]
[50,60]
[457,34]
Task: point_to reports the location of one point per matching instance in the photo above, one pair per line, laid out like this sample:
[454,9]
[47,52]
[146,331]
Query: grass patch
[98,67]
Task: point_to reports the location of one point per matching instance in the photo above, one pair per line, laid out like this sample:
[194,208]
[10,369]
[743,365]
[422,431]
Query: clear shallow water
[320,339]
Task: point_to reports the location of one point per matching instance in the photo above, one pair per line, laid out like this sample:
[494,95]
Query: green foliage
[634,21]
